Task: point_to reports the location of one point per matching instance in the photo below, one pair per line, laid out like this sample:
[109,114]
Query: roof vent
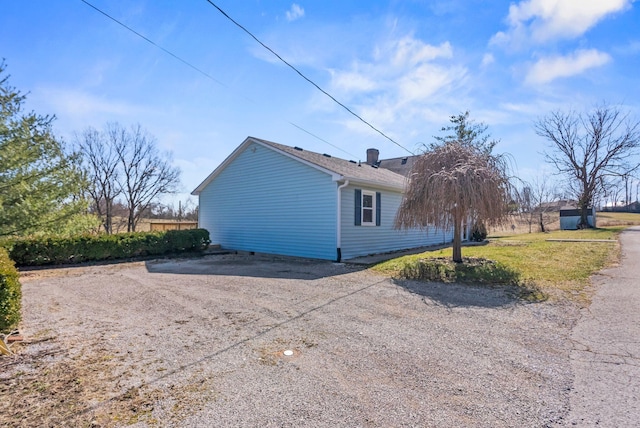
[352,161]
[404,161]
[298,148]
[326,155]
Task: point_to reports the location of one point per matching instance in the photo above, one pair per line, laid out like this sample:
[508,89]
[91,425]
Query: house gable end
[244,146]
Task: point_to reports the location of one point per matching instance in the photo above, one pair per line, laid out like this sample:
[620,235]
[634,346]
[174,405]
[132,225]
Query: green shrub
[472,270]
[478,232]
[76,249]
[10,293]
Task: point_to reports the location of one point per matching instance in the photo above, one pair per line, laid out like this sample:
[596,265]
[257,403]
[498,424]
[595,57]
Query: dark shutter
[378,215]
[358,205]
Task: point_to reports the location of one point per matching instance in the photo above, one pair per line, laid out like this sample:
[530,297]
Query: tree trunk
[541,223]
[108,221]
[584,212]
[131,224]
[457,242]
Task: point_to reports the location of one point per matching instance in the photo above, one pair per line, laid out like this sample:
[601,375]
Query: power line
[204,73]
[188,64]
[306,78]
[324,141]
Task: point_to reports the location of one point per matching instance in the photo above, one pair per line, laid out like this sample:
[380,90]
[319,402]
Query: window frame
[372,208]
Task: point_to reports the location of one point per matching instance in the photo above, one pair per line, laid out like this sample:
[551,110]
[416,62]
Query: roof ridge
[349,169]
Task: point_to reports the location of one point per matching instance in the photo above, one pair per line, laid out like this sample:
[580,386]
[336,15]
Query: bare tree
[145,173]
[536,201]
[101,164]
[124,163]
[587,147]
[524,207]
[451,184]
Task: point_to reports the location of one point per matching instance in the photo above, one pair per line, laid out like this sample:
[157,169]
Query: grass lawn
[556,268]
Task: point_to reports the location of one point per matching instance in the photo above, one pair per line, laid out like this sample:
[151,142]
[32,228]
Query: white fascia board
[241,148]
[375,184]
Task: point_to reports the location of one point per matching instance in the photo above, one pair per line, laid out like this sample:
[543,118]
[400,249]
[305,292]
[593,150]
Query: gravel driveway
[200,342]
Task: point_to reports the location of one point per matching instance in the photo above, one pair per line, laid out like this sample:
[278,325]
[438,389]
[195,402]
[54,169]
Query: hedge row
[10,293]
[76,249]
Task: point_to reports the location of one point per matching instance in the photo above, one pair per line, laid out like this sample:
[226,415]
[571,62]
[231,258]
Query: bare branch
[454,183]
[587,147]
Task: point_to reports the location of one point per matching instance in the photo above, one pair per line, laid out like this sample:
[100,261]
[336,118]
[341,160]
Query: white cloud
[551,68]
[410,52]
[540,21]
[394,65]
[426,80]
[82,104]
[296,12]
[403,77]
[353,81]
[76,109]
[487,59]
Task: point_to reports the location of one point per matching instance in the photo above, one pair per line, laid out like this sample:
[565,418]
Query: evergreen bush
[10,293]
[478,232]
[76,249]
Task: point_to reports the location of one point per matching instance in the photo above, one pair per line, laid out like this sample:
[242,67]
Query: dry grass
[51,388]
[605,219]
[516,225]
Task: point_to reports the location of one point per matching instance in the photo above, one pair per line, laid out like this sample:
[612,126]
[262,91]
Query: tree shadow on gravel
[455,295]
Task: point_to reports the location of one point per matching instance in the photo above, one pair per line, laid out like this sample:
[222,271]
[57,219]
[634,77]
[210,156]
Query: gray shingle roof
[348,169]
[357,173]
[400,166]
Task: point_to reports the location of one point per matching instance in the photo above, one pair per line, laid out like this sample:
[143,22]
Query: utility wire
[204,73]
[188,64]
[306,78]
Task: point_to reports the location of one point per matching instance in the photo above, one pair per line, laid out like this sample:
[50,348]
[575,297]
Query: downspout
[339,222]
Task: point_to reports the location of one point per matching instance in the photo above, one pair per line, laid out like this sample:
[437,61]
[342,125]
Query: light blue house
[271,198]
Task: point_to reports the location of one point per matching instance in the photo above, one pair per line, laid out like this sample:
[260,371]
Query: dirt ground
[201,342]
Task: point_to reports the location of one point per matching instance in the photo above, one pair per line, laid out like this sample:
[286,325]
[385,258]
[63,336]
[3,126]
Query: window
[367,208]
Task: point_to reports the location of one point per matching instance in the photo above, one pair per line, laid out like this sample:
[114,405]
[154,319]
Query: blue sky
[404,66]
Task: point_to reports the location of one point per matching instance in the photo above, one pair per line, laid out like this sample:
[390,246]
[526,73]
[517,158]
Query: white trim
[241,148]
[375,184]
[364,192]
[339,217]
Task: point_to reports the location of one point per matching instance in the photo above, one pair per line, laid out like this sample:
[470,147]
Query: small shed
[570,217]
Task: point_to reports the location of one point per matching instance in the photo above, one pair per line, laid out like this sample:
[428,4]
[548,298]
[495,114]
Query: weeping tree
[452,184]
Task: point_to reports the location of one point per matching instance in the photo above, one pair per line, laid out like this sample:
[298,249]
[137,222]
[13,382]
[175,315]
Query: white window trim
[373,208]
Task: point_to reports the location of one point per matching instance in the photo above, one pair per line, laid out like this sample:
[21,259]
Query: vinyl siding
[364,240]
[266,202]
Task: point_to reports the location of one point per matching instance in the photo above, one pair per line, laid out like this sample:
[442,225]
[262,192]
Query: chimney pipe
[372,156]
